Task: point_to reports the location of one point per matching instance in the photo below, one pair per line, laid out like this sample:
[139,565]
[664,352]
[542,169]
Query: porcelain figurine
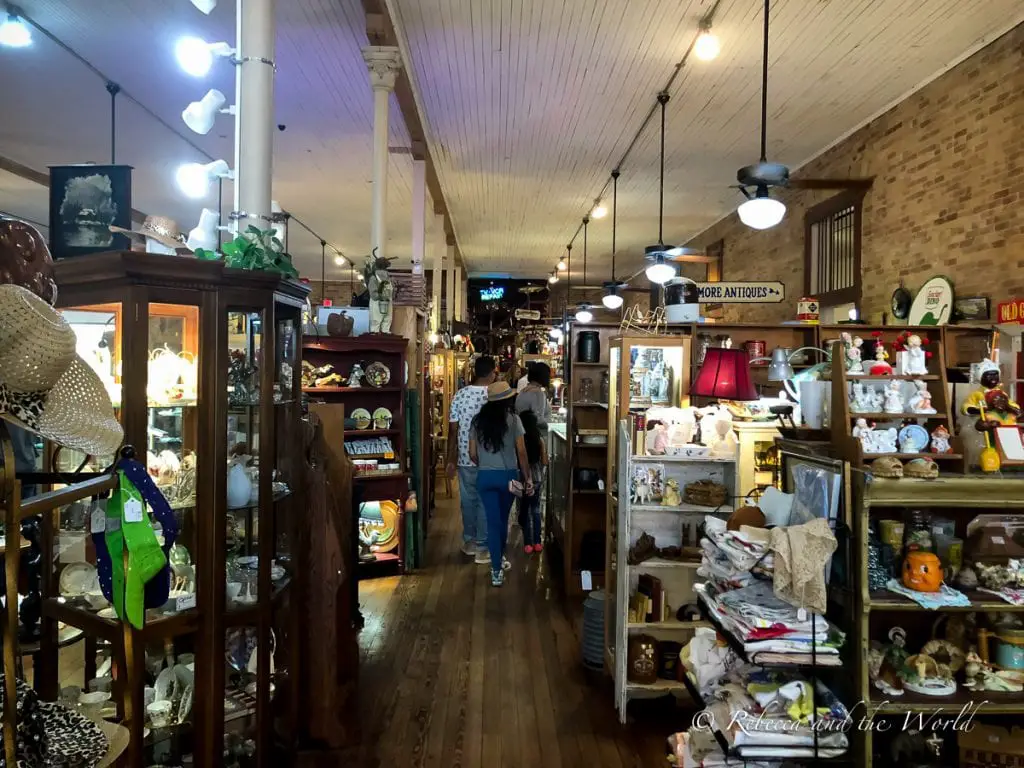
[725,441]
[921,400]
[854,364]
[671,497]
[940,440]
[355,376]
[865,434]
[239,486]
[885,440]
[989,380]
[894,397]
[880,367]
[999,411]
[915,361]
[863,398]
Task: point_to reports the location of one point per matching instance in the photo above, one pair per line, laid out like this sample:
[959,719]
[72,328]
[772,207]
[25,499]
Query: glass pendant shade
[761,212]
[659,272]
[612,300]
[14,32]
[584,315]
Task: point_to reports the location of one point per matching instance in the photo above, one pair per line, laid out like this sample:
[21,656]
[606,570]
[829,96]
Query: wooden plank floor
[457,673]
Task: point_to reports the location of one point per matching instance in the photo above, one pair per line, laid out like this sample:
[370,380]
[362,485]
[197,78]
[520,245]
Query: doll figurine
[885,440]
[940,440]
[854,366]
[894,398]
[725,441]
[881,365]
[865,434]
[921,400]
[977,400]
[863,399]
[915,362]
[671,497]
[999,411]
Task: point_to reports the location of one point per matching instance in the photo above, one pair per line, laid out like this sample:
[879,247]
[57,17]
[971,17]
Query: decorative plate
[362,418]
[382,418]
[166,685]
[185,705]
[933,303]
[378,374]
[78,579]
[913,438]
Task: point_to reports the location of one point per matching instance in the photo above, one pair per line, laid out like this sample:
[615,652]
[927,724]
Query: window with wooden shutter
[832,250]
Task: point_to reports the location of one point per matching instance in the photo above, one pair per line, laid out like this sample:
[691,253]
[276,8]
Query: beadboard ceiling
[527,105]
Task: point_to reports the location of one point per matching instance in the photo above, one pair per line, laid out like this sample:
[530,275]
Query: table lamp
[724,375]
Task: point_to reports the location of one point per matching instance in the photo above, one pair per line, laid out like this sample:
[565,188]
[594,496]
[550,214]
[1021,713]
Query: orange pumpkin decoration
[922,571]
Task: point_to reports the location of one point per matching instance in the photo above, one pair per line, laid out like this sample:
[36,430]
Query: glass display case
[203,368]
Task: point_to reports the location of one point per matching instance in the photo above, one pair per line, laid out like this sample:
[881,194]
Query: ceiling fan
[761,211]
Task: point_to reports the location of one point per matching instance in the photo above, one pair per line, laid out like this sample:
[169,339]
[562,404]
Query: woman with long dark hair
[496,446]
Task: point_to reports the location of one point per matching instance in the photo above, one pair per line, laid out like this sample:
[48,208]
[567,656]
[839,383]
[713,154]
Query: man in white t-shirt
[465,406]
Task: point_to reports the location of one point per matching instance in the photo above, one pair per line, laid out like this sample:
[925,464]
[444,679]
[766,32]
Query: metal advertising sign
[759,292]
[1010,311]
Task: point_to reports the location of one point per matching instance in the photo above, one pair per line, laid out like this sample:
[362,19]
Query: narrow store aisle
[457,673]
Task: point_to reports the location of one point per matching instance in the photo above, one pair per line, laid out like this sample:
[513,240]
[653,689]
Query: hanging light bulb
[658,271]
[205,5]
[14,32]
[195,55]
[200,115]
[433,338]
[194,179]
[611,299]
[599,211]
[583,314]
[556,333]
[561,265]
[707,47]
[339,260]
[553,278]
[761,211]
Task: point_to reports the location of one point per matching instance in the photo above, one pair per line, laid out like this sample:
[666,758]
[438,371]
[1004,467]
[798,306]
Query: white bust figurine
[724,442]
[893,397]
[915,363]
[921,400]
[865,434]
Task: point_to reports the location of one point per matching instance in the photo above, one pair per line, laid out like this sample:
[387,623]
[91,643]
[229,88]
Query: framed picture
[971,309]
[85,201]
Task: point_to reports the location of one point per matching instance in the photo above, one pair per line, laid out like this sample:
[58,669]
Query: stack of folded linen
[734,557]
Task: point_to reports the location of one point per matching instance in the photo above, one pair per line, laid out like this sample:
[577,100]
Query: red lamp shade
[725,375]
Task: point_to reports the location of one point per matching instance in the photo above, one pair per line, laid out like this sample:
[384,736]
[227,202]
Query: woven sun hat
[499,390]
[163,229]
[45,386]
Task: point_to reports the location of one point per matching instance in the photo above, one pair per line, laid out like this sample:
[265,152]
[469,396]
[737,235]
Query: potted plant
[255,249]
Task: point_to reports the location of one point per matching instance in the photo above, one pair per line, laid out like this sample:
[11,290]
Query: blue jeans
[493,487]
[529,515]
[474,518]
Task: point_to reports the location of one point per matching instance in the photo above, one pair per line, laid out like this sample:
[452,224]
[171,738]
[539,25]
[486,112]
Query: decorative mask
[922,571]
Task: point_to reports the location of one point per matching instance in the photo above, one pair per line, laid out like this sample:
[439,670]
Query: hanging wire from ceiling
[676,69]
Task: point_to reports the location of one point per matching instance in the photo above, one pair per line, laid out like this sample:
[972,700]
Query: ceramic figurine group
[868,399]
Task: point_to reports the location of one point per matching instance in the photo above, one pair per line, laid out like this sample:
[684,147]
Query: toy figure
[854,366]
[998,411]
[893,397]
[880,367]
[940,440]
[865,434]
[863,399]
[725,441]
[989,379]
[921,400]
[915,362]
[671,497]
[355,376]
[885,440]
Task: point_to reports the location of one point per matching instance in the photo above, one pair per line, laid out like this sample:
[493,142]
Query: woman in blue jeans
[496,447]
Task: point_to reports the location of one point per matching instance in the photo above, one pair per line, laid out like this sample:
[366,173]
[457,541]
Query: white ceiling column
[449,279]
[457,298]
[383,61]
[437,267]
[419,214]
[254,128]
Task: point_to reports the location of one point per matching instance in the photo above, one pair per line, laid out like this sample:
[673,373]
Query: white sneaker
[469,548]
[483,557]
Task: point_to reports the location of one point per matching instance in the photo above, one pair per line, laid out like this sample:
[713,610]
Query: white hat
[45,386]
[987,365]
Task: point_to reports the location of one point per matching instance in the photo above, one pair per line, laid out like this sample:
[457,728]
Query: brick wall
[948,195]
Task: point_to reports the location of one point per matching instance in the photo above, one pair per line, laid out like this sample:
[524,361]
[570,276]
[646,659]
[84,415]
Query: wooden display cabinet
[201,362]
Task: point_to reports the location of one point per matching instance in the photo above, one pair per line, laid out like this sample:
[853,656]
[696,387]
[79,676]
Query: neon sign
[494,293]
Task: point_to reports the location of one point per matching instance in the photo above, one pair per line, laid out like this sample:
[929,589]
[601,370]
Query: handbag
[515,488]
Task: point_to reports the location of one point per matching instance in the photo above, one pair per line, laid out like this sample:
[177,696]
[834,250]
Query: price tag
[389,454]
[600,484]
[133,511]
[937,530]
[587,580]
[184,602]
[98,521]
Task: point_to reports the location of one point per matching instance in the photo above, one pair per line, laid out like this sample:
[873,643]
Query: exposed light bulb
[707,47]
[195,55]
[556,333]
[339,261]
[561,265]
[194,178]
[659,272]
[599,211]
[584,315]
[433,338]
[14,32]
[552,278]
[612,300]
[762,212]
[853,314]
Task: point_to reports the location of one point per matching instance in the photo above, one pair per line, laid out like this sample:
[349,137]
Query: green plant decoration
[255,249]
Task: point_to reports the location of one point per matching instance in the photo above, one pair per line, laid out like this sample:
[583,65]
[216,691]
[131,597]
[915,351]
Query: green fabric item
[145,558]
[115,546]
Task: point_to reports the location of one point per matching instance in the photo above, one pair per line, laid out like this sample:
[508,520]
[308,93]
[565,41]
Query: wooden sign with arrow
[757,292]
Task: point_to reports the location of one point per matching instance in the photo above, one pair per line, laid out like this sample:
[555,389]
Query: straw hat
[45,386]
[499,390]
[163,229]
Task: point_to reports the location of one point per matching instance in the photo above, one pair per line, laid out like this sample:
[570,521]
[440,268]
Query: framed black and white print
[85,201]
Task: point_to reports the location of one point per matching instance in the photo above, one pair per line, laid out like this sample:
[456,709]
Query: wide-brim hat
[163,229]
[499,390]
[45,386]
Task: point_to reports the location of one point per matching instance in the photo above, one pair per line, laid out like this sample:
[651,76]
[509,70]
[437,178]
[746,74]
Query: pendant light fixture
[658,271]
[761,211]
[583,313]
[612,299]
[561,265]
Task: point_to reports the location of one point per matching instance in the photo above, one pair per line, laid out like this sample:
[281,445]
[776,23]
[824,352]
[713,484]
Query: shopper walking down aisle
[465,406]
[534,396]
[496,445]
[529,506]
